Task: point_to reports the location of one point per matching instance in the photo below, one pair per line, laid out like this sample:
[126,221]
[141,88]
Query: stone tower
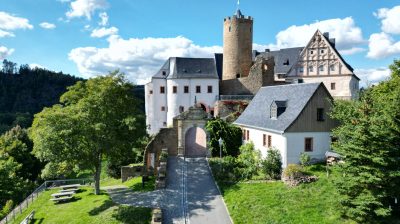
[238,40]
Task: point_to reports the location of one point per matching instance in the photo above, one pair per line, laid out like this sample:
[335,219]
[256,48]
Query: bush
[6,209]
[163,156]
[305,159]
[293,171]
[225,168]
[272,164]
[248,161]
[231,134]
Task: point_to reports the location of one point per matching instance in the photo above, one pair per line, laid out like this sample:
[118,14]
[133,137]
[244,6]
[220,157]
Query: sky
[86,38]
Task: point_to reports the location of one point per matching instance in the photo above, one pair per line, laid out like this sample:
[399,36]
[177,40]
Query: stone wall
[231,109]
[128,172]
[165,138]
[261,74]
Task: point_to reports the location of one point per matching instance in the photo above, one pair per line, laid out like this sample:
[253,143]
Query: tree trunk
[97,177]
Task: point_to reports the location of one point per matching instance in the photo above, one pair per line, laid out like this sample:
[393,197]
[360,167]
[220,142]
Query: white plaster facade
[290,144]
[162,107]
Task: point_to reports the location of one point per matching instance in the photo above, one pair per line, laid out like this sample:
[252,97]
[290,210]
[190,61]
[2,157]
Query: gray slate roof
[281,56]
[257,114]
[188,68]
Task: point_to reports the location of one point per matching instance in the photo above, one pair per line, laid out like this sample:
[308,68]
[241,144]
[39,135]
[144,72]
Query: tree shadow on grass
[106,205]
[149,185]
[132,215]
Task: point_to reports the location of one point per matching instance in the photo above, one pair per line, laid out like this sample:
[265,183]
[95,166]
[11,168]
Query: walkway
[190,196]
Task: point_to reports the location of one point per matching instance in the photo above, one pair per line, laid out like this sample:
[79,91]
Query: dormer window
[286,62]
[278,107]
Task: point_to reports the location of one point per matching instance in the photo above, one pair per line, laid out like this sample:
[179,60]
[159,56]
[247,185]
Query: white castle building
[176,86]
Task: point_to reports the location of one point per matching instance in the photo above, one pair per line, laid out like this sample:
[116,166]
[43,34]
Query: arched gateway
[192,136]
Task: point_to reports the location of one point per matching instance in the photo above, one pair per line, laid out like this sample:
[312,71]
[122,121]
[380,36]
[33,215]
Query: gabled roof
[188,68]
[257,114]
[282,56]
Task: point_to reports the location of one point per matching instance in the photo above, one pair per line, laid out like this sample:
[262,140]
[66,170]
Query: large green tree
[229,133]
[369,141]
[95,120]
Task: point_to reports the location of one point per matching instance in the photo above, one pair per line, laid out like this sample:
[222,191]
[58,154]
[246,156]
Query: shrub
[163,156]
[305,159]
[248,161]
[293,171]
[6,209]
[231,134]
[272,164]
[225,168]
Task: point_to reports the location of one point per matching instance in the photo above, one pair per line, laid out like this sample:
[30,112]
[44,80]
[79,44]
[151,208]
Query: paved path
[190,196]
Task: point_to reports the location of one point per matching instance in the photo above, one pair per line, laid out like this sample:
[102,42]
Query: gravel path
[190,196]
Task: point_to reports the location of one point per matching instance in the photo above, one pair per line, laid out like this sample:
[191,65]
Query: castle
[226,83]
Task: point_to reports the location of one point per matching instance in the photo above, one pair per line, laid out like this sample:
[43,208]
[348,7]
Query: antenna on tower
[238,4]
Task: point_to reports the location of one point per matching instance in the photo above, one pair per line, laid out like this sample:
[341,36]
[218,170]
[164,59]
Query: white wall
[172,101]
[278,141]
[187,99]
[295,145]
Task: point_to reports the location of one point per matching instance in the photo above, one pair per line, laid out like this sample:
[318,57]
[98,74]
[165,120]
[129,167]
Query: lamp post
[220,141]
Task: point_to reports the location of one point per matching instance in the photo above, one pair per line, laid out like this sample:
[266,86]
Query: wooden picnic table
[74,186]
[62,194]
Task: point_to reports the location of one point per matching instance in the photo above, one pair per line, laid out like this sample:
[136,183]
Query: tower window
[186,89]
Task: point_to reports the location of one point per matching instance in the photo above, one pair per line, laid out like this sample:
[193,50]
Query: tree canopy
[95,120]
[230,134]
[369,141]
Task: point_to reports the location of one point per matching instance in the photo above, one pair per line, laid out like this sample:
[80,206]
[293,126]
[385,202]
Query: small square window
[311,52]
[151,91]
[311,68]
[181,109]
[162,89]
[301,69]
[322,51]
[198,89]
[186,89]
[333,86]
[308,144]
[174,89]
[209,89]
[162,108]
[332,68]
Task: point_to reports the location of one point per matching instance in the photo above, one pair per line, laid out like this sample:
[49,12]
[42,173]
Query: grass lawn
[86,208]
[135,183]
[274,202]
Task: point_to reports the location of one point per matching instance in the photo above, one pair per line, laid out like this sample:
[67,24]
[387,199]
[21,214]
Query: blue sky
[90,37]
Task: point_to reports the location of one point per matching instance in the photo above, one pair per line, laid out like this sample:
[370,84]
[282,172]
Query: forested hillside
[25,91]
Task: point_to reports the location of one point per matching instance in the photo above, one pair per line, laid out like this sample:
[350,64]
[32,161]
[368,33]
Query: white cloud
[4,33]
[103,32]
[390,19]
[138,58]
[348,36]
[80,8]
[10,22]
[5,52]
[46,25]
[382,45]
[34,65]
[103,19]
[372,76]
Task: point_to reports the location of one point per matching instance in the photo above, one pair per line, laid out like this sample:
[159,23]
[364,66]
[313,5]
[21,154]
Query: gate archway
[195,142]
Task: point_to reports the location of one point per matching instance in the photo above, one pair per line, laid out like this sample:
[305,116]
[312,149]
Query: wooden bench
[28,218]
[71,186]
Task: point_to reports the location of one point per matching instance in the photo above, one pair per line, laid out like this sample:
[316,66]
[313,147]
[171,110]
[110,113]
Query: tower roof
[238,13]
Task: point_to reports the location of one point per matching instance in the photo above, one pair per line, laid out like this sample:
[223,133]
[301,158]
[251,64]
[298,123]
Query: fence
[35,194]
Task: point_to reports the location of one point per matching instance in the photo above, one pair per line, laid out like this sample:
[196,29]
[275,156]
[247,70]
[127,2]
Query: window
[198,89]
[164,73]
[308,144]
[300,81]
[286,62]
[162,108]
[320,114]
[322,51]
[311,52]
[162,89]
[186,89]
[209,89]
[311,68]
[332,68]
[174,89]
[165,124]
[247,134]
[269,141]
[301,69]
[333,86]
[244,134]
[237,76]
[151,91]
[321,68]
[274,112]
[181,109]
[264,139]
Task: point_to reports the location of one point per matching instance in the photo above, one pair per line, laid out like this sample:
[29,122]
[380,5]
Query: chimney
[326,34]
[333,41]
[267,50]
